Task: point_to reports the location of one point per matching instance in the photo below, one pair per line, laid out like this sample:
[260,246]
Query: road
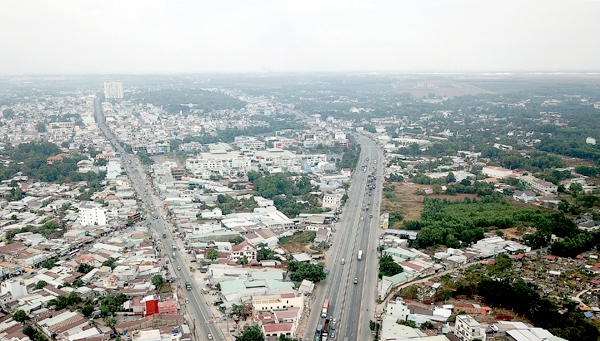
[199,308]
[353,305]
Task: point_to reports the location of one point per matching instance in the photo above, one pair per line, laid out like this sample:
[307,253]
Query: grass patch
[301,237]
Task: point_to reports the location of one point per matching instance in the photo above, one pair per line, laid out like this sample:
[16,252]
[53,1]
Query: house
[525,196]
[467,329]
[243,249]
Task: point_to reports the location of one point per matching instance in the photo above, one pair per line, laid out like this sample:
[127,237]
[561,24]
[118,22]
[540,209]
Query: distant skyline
[160,36]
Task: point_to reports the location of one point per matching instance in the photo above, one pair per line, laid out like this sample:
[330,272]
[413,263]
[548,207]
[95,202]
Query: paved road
[353,305]
[199,308]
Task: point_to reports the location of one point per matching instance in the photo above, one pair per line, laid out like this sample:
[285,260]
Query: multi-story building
[113,89]
[92,215]
[243,249]
[332,200]
[398,309]
[538,185]
[467,329]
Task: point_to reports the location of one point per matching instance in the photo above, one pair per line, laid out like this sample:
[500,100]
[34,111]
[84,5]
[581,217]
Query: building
[241,250]
[467,329]
[397,309]
[538,185]
[16,288]
[332,200]
[113,89]
[92,215]
[496,172]
[525,196]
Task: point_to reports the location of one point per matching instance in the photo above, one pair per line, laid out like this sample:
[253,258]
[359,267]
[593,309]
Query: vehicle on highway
[173,254]
[326,329]
[164,235]
[325,308]
[343,261]
[370,215]
[187,300]
[188,286]
[209,336]
[178,268]
[332,335]
[355,280]
[360,252]
[319,331]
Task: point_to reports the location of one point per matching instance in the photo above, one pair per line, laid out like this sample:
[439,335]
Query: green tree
[87,310]
[301,271]
[157,280]
[111,322]
[110,262]
[40,127]
[212,254]
[264,254]
[85,268]
[77,283]
[242,260]
[250,333]
[40,284]
[388,268]
[20,316]
[73,298]
[237,240]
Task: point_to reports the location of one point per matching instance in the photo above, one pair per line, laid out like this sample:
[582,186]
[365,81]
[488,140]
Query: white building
[332,200]
[468,329]
[262,202]
[539,185]
[92,215]
[113,89]
[16,289]
[496,172]
[397,309]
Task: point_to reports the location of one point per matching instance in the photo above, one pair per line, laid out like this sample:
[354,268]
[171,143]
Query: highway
[353,305]
[198,307]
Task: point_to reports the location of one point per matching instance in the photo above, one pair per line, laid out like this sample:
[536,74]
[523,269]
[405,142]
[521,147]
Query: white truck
[359,254]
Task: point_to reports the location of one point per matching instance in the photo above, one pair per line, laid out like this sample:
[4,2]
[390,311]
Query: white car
[178,268]
[210,336]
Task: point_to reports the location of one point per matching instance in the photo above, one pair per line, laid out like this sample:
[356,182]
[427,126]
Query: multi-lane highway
[352,305]
[199,308]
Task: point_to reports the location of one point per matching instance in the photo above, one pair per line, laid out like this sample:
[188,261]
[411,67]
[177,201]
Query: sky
[171,36]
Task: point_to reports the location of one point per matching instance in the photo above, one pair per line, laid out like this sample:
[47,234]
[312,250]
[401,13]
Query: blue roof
[587,314]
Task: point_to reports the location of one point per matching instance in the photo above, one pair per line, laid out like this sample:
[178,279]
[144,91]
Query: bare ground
[409,204]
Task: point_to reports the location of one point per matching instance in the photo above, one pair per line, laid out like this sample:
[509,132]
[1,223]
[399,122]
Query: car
[187,300]
[209,336]
[355,280]
[178,267]
[332,335]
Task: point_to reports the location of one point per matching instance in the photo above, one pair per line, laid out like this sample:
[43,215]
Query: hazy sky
[153,36]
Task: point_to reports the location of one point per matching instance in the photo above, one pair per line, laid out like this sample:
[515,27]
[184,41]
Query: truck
[326,329]
[359,257]
[319,332]
[325,308]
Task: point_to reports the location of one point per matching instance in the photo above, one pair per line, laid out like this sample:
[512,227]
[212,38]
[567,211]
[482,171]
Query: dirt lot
[299,242]
[409,204]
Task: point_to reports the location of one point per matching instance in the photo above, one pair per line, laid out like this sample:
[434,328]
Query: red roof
[288,295]
[520,256]
[595,281]
[277,327]
[579,257]
[548,257]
